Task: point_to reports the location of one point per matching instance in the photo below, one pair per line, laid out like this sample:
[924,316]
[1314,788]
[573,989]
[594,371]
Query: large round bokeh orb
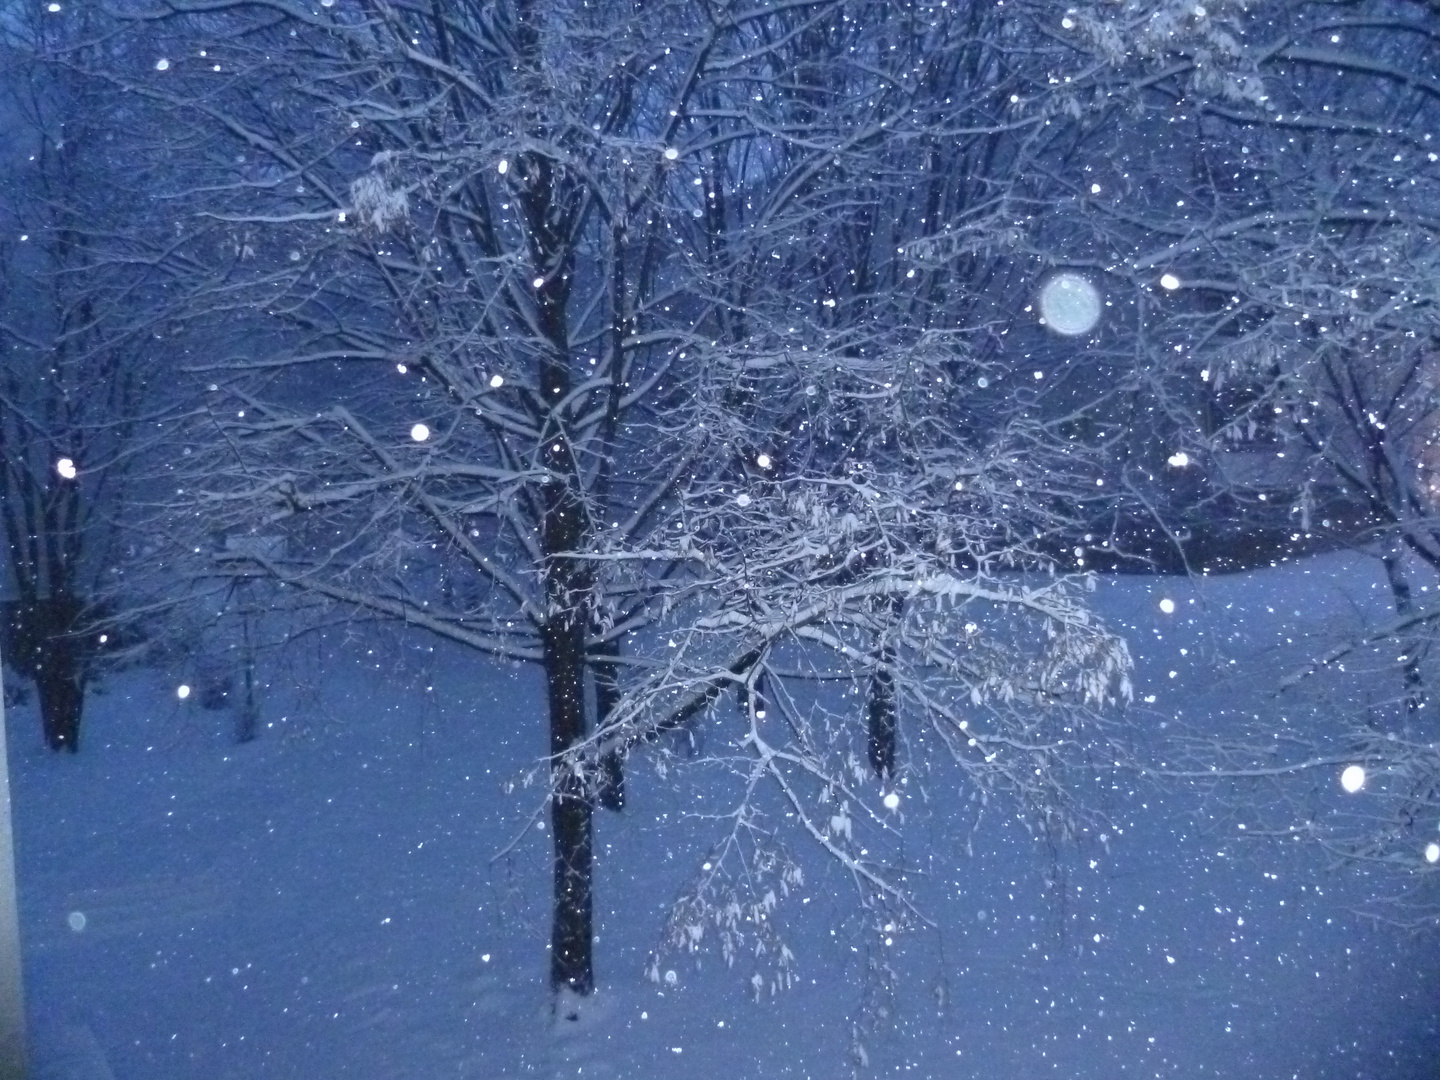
[1070,304]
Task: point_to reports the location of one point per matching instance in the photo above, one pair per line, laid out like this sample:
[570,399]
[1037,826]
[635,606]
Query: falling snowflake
[1069,304]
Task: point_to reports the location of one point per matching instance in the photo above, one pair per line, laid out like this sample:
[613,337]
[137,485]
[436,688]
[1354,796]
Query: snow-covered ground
[331,900]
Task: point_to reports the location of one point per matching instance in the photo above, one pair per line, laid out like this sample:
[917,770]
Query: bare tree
[79,312]
[665,349]
[1277,237]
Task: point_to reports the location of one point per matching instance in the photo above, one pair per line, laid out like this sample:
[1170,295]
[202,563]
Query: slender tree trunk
[570,809]
[568,607]
[610,790]
[548,200]
[1411,646]
[62,695]
[247,718]
[882,716]
[42,642]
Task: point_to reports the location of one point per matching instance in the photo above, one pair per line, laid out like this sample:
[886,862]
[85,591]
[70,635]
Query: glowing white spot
[182,691]
[162,64]
[1068,23]
[1432,852]
[1352,779]
[53,8]
[1094,189]
[327,3]
[66,468]
[959,485]
[538,282]
[76,919]
[401,368]
[496,382]
[1167,606]
[1169,281]
[1179,459]
[1070,304]
[742,499]
[671,978]
[763,461]
[104,638]
[485,958]
[671,153]
[892,800]
[503,167]
[982,382]
[419,433]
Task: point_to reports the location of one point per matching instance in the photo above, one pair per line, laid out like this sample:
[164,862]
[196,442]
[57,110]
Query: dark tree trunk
[568,603]
[610,788]
[549,200]
[43,642]
[570,810]
[61,690]
[247,720]
[880,708]
[1411,646]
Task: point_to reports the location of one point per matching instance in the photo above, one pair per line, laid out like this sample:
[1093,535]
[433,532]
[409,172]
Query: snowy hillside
[356,894]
